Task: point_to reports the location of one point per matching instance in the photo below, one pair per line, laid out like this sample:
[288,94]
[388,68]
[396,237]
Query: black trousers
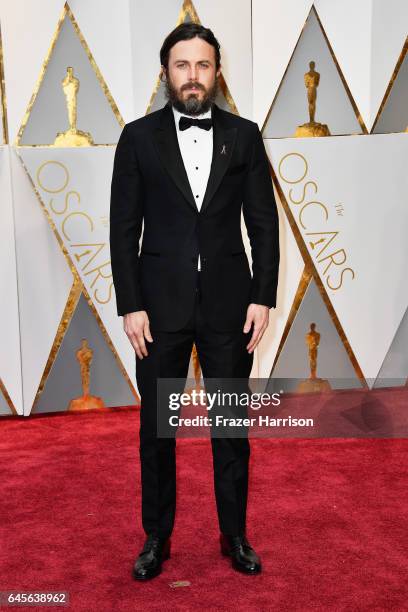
[221,354]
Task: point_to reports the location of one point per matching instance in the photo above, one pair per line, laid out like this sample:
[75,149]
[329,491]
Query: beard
[192,105]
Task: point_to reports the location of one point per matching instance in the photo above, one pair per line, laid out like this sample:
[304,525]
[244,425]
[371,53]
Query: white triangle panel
[80,212]
[276,27]
[10,362]
[348,197]
[27,30]
[158,18]
[348,27]
[230,23]
[44,282]
[290,271]
[107,32]
[390,30]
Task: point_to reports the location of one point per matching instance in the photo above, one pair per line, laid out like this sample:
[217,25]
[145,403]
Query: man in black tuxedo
[185,172]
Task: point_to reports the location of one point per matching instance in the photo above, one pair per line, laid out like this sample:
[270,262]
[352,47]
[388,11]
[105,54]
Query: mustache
[196,85]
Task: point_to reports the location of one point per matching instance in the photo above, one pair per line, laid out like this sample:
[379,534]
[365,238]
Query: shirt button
[197,196]
[195,140]
[196,167]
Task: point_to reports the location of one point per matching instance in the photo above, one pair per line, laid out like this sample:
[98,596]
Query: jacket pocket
[155,253]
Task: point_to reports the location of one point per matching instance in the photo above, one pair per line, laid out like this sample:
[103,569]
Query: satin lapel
[223,146]
[165,137]
[168,149]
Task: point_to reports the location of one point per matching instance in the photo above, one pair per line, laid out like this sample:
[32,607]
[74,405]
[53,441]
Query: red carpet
[328,517]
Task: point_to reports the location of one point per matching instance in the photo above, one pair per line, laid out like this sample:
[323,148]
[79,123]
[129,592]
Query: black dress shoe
[244,558]
[149,562]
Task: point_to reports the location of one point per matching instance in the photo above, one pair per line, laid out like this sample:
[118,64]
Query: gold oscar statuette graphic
[313,384]
[312,128]
[72,137]
[86,401]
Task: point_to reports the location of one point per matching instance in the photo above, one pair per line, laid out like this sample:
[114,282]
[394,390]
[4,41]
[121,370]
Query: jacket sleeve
[262,223]
[126,217]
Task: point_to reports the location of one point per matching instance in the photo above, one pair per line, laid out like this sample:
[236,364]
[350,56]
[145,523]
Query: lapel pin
[223,150]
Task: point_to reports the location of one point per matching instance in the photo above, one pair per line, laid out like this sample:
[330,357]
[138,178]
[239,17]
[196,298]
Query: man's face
[192,77]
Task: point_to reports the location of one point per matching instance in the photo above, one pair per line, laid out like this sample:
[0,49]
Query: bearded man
[185,172]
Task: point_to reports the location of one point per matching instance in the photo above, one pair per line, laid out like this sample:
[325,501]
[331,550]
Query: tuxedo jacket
[150,192]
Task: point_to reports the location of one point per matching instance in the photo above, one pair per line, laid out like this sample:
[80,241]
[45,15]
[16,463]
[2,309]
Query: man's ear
[163,74]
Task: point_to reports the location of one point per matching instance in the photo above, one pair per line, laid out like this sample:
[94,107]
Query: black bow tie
[186,122]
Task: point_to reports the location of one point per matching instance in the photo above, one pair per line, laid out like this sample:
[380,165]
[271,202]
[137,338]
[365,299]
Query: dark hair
[187,31]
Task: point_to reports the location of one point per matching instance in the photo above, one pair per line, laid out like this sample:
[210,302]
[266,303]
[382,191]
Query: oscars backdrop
[327,83]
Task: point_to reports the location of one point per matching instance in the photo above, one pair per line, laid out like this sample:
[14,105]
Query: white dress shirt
[196,147]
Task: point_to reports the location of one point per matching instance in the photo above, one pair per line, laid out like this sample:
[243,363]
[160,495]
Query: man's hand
[259,316]
[136,326]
